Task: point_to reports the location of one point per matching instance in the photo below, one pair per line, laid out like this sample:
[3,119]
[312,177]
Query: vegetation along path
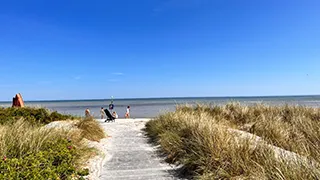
[130,155]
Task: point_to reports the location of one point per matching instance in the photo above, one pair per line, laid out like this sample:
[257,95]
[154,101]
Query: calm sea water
[153,107]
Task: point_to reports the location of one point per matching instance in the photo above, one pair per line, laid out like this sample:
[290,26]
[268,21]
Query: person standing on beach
[87,112]
[128,112]
[102,113]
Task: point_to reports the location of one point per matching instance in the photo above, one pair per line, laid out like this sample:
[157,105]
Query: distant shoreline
[164,98]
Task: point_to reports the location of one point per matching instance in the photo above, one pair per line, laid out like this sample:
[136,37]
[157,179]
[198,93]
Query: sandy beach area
[95,164]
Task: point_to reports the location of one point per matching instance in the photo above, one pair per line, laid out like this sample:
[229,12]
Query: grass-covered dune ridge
[29,150]
[32,115]
[200,139]
[294,128]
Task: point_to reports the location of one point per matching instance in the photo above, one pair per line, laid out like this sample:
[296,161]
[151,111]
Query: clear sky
[76,49]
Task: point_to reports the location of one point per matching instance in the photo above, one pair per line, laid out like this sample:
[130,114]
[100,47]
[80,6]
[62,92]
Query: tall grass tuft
[91,129]
[202,139]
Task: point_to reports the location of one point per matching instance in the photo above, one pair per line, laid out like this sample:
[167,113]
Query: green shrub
[32,115]
[35,152]
[57,159]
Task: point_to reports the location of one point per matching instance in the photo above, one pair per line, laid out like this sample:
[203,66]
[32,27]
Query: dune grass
[90,129]
[293,128]
[29,150]
[200,139]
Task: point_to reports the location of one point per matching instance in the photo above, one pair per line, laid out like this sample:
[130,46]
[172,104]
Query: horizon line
[177,97]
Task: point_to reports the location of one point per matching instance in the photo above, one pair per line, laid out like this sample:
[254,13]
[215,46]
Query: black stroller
[110,118]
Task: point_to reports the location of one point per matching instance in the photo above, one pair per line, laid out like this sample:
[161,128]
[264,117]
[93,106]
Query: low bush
[32,115]
[57,160]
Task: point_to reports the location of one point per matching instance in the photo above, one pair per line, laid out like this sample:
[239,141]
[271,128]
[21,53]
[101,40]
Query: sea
[152,107]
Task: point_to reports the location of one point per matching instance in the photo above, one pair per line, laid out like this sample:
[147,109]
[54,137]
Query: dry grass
[293,128]
[22,138]
[29,150]
[200,139]
[91,129]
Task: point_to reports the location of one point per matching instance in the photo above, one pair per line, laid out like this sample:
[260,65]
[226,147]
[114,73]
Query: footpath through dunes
[129,154]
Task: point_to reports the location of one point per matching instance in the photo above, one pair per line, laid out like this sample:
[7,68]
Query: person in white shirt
[128,112]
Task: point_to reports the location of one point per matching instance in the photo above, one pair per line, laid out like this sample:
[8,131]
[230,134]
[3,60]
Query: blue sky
[78,49]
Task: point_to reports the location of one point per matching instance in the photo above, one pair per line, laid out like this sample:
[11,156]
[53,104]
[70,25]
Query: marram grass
[29,150]
[200,139]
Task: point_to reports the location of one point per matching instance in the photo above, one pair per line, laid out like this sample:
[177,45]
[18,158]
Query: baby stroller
[110,118]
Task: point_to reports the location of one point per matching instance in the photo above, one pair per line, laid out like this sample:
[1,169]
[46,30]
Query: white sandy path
[125,154]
